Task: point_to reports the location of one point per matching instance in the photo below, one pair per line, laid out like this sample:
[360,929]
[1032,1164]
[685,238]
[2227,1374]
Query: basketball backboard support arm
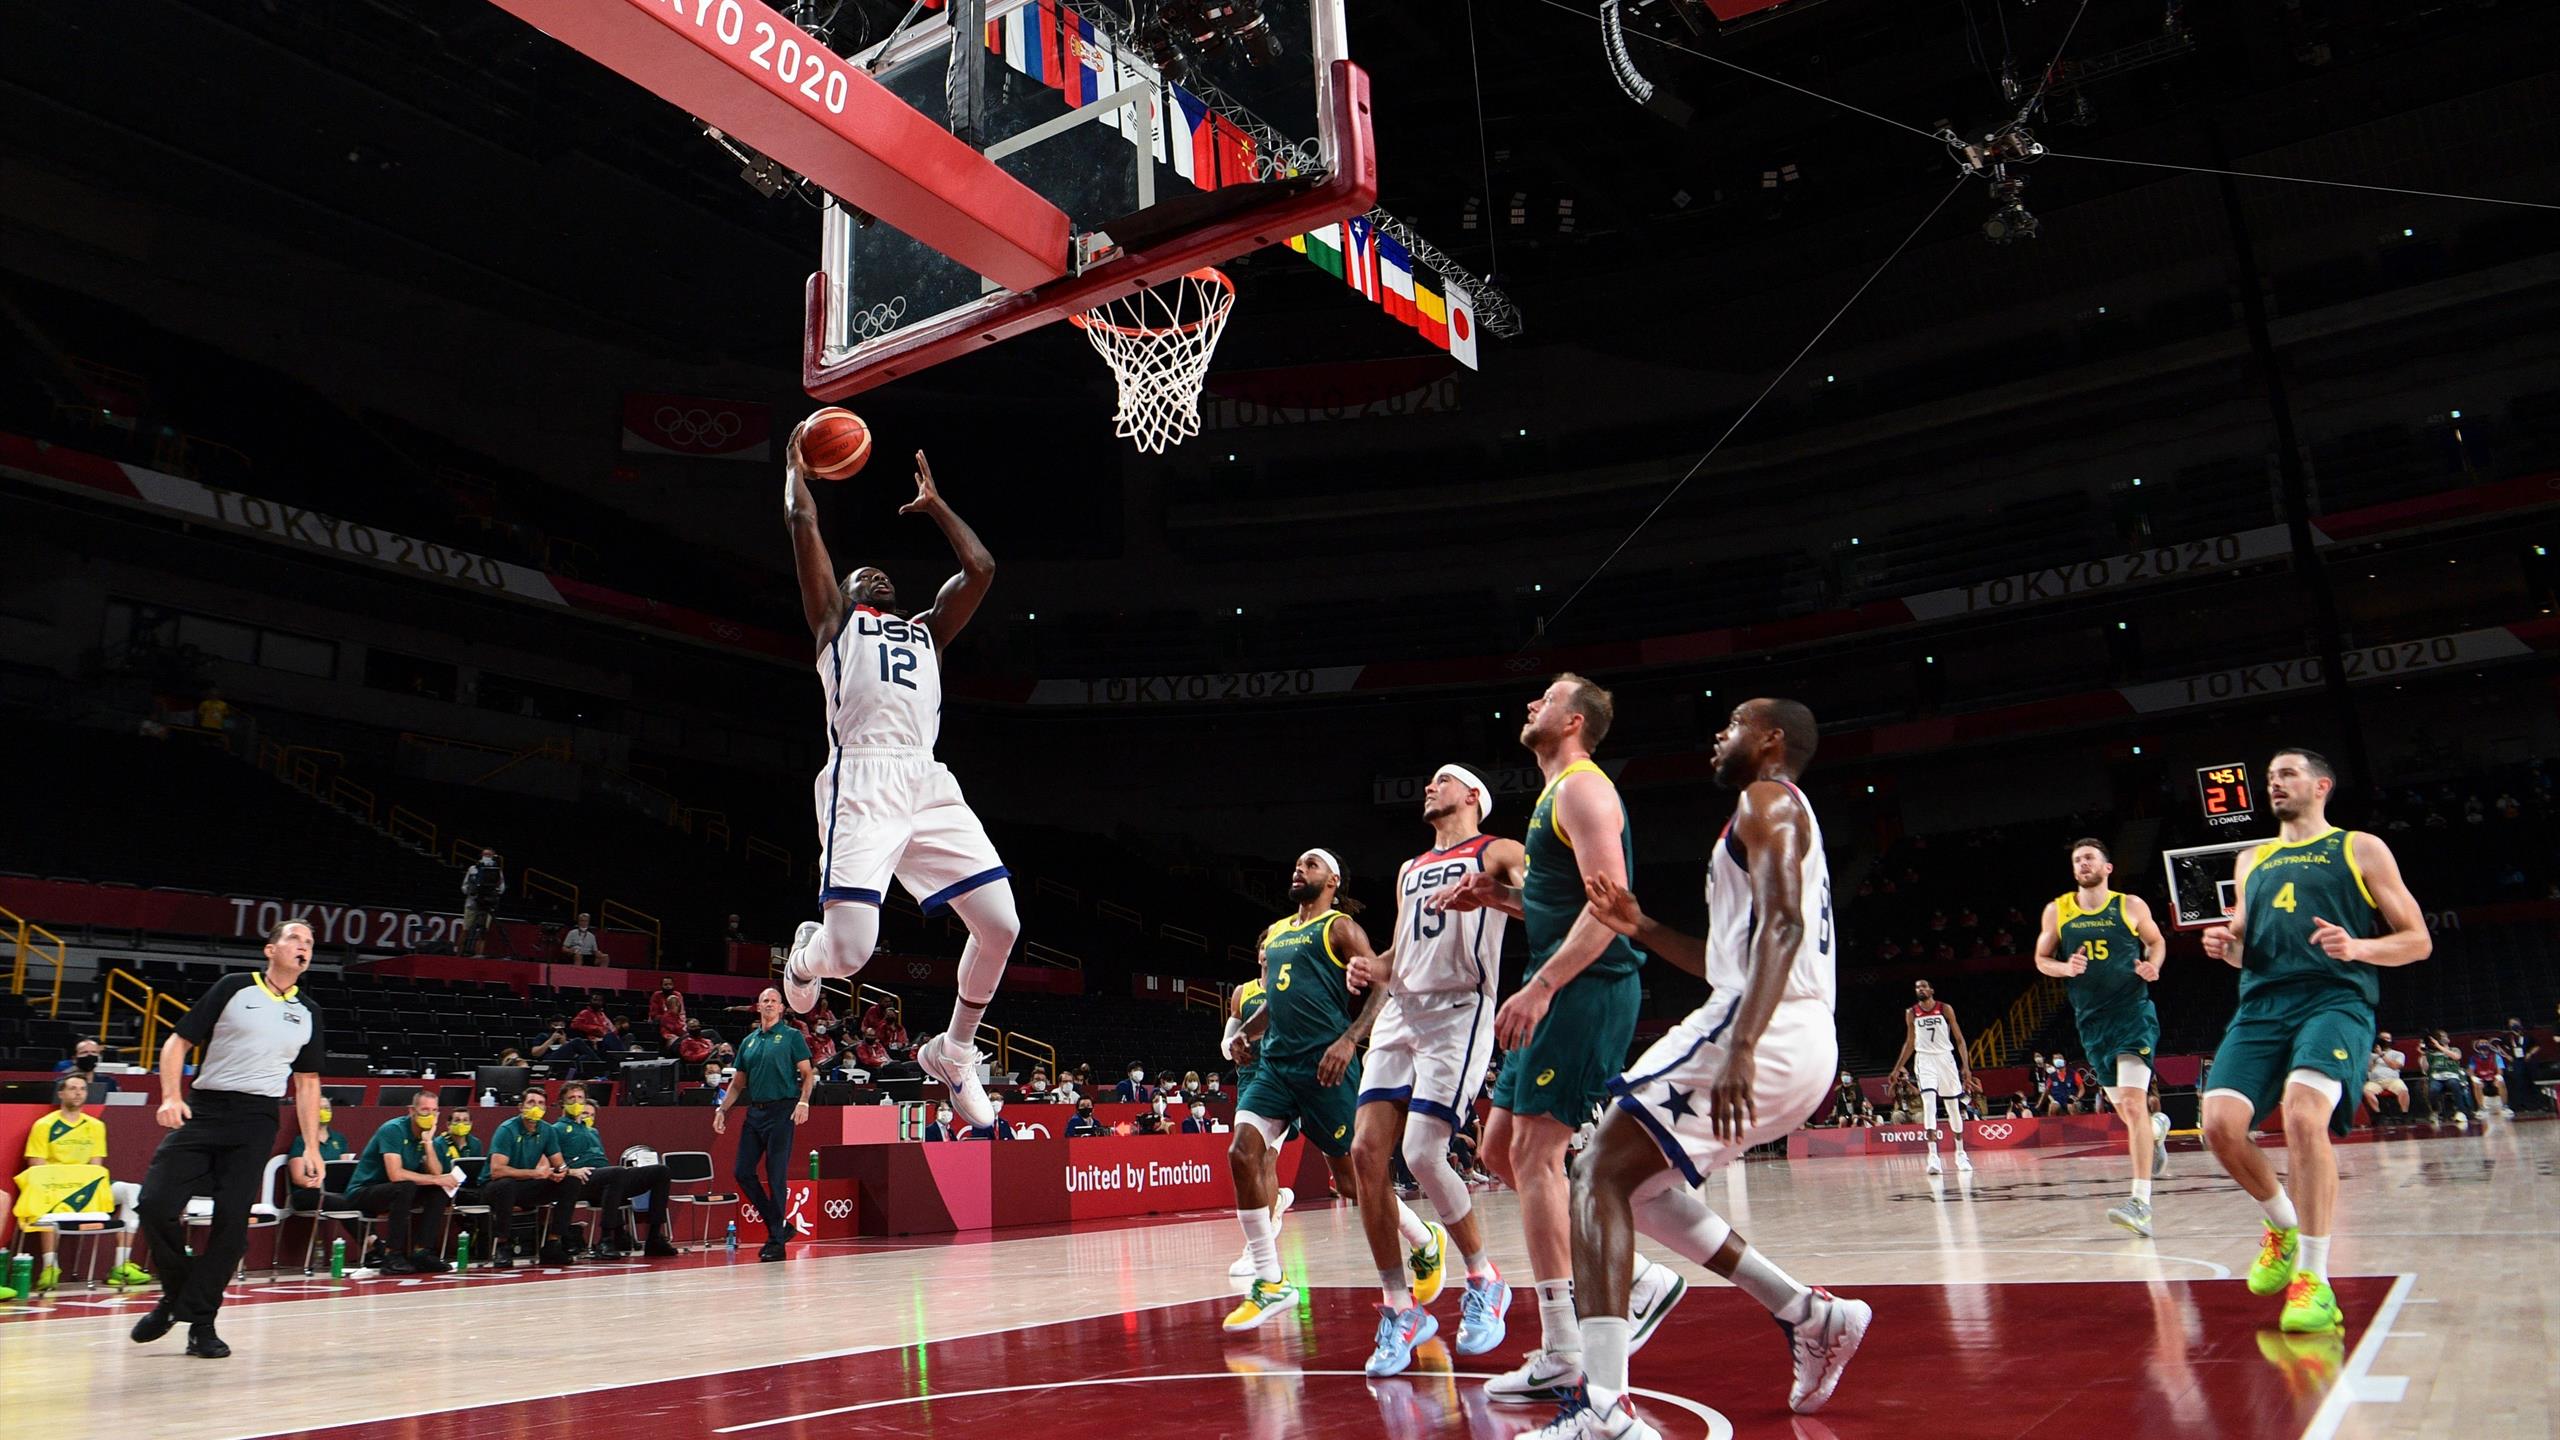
[738,66]
[1349,187]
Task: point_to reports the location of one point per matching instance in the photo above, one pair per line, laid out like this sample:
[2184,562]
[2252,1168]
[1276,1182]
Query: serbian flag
[1084,65]
[1395,278]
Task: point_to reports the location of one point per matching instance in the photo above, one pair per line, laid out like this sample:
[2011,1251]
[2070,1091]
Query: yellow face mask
[575,1109]
[324,1114]
[460,1127]
[533,1112]
[427,1123]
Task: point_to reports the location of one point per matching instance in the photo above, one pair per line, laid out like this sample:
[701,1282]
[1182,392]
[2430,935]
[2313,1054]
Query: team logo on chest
[893,630]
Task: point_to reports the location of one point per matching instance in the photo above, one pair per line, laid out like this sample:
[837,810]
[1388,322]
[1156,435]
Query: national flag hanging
[1360,257]
[1462,324]
[1395,277]
[1434,321]
[1324,247]
[1234,150]
[1083,59]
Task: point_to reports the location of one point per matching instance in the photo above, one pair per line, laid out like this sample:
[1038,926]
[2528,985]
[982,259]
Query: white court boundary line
[1718,1427]
[2351,1379]
[2217,1270]
[733,1369]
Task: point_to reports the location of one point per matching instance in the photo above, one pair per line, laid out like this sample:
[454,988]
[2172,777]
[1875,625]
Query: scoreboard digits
[2226,795]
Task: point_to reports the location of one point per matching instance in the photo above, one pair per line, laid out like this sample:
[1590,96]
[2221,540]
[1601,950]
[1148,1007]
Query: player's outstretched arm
[959,596]
[2407,941]
[1616,907]
[822,601]
[2155,946]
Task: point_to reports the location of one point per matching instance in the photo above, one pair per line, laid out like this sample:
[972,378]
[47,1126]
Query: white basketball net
[1158,344]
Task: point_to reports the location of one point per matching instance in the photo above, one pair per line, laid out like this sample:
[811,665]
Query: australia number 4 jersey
[1442,950]
[883,682]
[1733,927]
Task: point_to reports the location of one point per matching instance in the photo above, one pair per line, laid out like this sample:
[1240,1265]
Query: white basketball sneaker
[1576,1420]
[1822,1345]
[1541,1379]
[801,994]
[957,1067]
[1655,1289]
[1934,1167]
[1963,1162]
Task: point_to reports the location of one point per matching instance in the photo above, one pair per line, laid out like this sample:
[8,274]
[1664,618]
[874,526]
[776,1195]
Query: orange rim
[1087,320]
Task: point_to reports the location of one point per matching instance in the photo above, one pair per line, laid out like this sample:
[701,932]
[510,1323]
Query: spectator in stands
[1190,1086]
[86,1054]
[2018,1106]
[1166,1086]
[1134,1089]
[526,1169]
[1210,1088]
[2062,1091]
[2523,1073]
[1906,1100]
[1197,1122]
[611,1186]
[578,942]
[870,1054]
[1844,1100]
[615,1042]
[2489,1079]
[1975,1106]
[591,1021]
[482,886]
[2382,1081]
[695,1048]
[735,934]
[1036,1089]
[1151,1120]
[402,1180]
[1083,1123]
[1065,1092]
[2447,1087]
[666,1010]
[716,1078]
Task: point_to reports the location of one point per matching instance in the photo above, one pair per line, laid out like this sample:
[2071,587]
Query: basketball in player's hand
[834,444]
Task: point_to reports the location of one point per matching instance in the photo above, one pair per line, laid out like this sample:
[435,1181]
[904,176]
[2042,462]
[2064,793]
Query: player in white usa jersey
[1933,1045]
[1745,1068]
[885,805]
[1432,1037]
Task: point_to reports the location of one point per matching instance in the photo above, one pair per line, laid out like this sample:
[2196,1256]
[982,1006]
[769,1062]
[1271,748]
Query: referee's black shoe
[203,1344]
[154,1323]
[773,1250]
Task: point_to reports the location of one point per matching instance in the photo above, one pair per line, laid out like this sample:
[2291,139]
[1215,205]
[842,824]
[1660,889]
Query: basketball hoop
[1158,342]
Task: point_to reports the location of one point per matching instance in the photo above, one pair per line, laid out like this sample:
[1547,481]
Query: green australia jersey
[1302,981]
[579,1143]
[1251,999]
[2293,885]
[2114,948]
[1551,892]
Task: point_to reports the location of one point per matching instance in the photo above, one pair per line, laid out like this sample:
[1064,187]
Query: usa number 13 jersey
[883,682]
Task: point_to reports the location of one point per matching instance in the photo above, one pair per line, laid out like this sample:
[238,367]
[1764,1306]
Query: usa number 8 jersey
[883,682]
[1443,950]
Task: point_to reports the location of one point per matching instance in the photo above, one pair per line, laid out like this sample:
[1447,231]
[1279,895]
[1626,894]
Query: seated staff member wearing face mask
[1084,1123]
[526,1168]
[939,1127]
[1153,1121]
[403,1181]
[1197,1122]
[611,1185]
[1134,1090]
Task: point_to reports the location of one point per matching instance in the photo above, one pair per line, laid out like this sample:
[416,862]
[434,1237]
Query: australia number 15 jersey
[882,677]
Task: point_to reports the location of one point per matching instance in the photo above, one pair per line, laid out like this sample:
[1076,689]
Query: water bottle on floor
[733,1237]
[462,1253]
[337,1259]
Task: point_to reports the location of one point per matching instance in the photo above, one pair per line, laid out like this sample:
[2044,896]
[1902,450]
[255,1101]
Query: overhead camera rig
[1990,159]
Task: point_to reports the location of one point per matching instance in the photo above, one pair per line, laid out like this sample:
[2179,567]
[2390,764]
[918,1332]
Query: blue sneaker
[1399,1331]
[1481,1313]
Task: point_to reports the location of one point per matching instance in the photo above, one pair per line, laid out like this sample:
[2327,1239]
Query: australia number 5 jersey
[883,682]
[1444,950]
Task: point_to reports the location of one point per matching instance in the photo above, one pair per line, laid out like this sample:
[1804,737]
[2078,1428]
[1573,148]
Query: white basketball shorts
[1429,1051]
[887,811]
[1669,1088]
[1938,1073]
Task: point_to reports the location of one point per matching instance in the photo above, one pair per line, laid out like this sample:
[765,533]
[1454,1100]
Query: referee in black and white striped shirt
[258,1035]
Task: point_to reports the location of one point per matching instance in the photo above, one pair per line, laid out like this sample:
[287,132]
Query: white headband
[1467,777]
[1329,862]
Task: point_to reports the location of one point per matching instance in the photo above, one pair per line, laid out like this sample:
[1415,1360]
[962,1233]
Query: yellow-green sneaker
[1266,1299]
[48,1278]
[2274,1268]
[130,1276]
[1430,1261]
[2309,1307]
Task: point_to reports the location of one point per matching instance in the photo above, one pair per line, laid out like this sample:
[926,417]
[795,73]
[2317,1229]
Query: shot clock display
[2226,795]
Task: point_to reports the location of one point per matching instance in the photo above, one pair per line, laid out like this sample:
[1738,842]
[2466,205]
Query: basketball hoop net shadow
[1158,342]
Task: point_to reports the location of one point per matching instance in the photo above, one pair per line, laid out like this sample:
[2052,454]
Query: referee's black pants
[397,1203]
[765,1144]
[220,1151]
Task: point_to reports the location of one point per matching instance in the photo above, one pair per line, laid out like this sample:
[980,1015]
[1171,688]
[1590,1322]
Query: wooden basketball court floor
[2005,1307]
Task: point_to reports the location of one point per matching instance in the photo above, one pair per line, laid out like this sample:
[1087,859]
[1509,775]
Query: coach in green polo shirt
[526,1168]
[400,1178]
[773,1069]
